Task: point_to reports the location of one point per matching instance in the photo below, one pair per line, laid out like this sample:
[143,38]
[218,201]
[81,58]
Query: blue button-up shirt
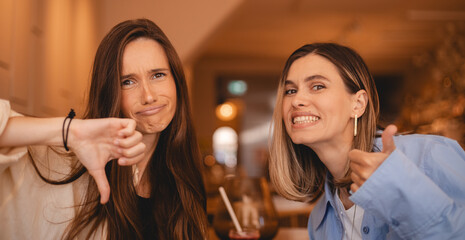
[418,192]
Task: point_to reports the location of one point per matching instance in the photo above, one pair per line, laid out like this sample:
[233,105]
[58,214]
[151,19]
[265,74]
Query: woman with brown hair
[325,147]
[138,113]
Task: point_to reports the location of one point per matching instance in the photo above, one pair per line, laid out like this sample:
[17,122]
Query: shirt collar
[327,201]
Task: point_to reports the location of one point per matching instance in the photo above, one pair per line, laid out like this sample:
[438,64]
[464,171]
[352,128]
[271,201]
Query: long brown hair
[295,169]
[177,192]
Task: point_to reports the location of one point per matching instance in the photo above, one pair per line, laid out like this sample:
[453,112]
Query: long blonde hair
[295,170]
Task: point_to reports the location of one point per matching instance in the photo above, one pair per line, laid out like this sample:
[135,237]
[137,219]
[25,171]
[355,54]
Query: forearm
[23,131]
[94,141]
[410,202]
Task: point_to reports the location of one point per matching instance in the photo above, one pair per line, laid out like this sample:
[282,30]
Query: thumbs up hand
[364,164]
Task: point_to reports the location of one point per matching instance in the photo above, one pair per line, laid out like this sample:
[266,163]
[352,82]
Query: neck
[150,141]
[334,152]
[344,196]
[334,157]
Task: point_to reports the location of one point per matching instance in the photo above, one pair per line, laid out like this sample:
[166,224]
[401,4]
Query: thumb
[388,139]
[102,184]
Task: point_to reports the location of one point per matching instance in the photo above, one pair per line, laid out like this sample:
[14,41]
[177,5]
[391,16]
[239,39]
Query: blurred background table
[293,217]
[291,213]
[283,234]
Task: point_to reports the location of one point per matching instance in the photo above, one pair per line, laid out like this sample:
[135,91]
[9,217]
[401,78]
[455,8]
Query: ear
[360,101]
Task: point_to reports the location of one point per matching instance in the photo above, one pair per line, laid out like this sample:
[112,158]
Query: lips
[150,110]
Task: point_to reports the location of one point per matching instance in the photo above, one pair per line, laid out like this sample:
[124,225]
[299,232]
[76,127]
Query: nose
[148,93]
[299,100]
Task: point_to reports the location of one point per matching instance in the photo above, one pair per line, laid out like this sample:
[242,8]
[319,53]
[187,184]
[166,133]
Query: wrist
[66,127]
[73,133]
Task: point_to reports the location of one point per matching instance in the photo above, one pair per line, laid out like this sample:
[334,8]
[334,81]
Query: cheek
[334,103]
[338,113]
[173,97]
[172,111]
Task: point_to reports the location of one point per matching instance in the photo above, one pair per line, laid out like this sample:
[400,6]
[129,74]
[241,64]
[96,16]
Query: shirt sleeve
[419,198]
[8,155]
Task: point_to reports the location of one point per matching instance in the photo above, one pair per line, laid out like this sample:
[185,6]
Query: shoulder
[426,142]
[422,138]
[323,222]
[422,147]
[317,215]
[323,208]
[417,142]
[5,113]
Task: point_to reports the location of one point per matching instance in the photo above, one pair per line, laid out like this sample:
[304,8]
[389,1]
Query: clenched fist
[97,141]
[364,164]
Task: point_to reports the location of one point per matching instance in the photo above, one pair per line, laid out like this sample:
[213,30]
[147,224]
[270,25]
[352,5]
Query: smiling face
[147,86]
[317,108]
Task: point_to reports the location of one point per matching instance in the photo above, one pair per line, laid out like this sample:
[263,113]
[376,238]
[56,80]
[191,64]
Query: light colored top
[418,192]
[351,219]
[29,207]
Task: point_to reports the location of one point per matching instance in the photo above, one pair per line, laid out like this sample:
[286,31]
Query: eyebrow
[151,71]
[307,79]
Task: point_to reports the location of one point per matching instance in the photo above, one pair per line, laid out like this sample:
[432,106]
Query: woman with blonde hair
[325,147]
[138,113]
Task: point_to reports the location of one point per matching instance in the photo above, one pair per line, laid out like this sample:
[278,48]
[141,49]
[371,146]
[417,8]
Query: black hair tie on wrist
[70,116]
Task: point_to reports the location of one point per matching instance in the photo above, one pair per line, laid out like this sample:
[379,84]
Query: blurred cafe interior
[233,52]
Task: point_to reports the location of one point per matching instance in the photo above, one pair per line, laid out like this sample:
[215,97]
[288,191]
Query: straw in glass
[230,210]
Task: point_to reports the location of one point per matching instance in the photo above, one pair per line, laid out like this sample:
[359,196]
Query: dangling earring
[355,125]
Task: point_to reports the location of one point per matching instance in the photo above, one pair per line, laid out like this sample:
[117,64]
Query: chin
[152,129]
[296,140]
[301,140]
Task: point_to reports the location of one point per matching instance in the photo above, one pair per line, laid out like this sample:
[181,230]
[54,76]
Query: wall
[186,23]
[47,47]
[46,54]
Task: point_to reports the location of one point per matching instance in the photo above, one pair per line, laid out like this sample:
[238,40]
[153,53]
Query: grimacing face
[317,108]
[148,90]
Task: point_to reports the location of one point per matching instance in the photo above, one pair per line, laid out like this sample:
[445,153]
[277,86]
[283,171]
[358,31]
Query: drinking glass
[246,234]
[251,200]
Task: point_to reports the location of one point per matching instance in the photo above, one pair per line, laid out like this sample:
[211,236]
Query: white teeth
[305,119]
